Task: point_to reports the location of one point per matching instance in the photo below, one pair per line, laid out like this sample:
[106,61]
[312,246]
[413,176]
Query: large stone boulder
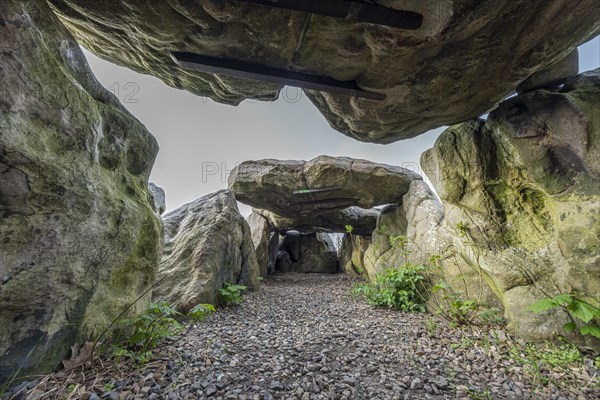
[414,231]
[351,253]
[79,239]
[306,253]
[323,184]
[266,242]
[466,57]
[157,197]
[521,193]
[207,244]
[362,221]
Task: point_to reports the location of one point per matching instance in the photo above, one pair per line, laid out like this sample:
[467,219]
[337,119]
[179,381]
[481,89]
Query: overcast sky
[201,140]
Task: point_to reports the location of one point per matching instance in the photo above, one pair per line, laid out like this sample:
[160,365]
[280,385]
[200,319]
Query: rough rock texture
[522,193]
[362,221]
[266,242]
[207,244]
[78,235]
[270,184]
[414,231]
[468,56]
[307,252]
[351,254]
[157,196]
[554,75]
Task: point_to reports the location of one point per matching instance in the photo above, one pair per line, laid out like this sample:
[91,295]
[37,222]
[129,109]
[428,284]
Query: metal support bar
[246,70]
[316,191]
[349,10]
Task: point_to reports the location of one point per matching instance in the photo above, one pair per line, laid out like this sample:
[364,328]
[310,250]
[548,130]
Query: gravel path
[304,337]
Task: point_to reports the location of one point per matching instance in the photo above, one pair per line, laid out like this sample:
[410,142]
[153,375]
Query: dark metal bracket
[246,70]
[349,10]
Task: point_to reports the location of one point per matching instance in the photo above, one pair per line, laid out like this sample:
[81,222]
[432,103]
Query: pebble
[303,337]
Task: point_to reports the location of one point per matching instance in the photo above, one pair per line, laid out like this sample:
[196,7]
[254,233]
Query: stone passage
[302,337]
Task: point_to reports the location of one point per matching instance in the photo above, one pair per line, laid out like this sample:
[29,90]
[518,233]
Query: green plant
[136,338]
[108,387]
[395,288]
[540,362]
[432,326]
[576,309]
[461,228]
[349,229]
[382,229]
[475,393]
[232,294]
[398,242]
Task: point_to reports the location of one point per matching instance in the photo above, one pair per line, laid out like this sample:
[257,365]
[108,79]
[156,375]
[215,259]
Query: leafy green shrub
[232,294]
[575,308]
[399,242]
[136,338]
[395,288]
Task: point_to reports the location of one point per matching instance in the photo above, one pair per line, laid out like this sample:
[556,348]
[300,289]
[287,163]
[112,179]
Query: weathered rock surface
[284,187]
[158,201]
[79,238]
[307,252]
[467,56]
[351,254]
[414,231]
[362,221]
[207,244]
[266,242]
[554,75]
[521,193]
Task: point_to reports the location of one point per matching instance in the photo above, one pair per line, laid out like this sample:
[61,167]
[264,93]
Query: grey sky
[201,140]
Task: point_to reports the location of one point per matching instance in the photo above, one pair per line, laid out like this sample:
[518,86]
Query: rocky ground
[305,337]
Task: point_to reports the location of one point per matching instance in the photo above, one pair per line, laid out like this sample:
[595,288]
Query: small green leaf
[582,310]
[590,330]
[570,327]
[542,305]
[562,299]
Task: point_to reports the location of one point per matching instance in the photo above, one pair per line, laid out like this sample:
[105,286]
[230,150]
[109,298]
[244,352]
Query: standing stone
[351,254]
[207,244]
[521,193]
[79,239]
[414,231]
[261,237]
[157,198]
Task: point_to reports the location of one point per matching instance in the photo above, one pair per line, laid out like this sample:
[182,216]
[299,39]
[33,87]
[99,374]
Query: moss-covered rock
[79,238]
[467,56]
[207,244]
[351,254]
[521,193]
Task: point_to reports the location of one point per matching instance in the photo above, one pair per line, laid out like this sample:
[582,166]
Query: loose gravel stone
[304,337]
